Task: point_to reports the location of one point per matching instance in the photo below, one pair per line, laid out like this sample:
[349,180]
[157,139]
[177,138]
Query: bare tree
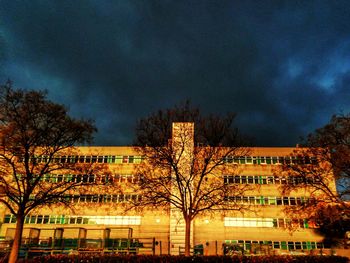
[35,134]
[186,154]
[322,168]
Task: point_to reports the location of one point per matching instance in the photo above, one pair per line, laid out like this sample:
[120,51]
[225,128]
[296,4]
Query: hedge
[192,259]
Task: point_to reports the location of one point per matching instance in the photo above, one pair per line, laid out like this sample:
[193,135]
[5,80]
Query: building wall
[210,230]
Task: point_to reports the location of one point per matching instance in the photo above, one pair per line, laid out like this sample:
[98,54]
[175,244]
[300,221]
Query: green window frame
[32,219]
[52,219]
[284,245]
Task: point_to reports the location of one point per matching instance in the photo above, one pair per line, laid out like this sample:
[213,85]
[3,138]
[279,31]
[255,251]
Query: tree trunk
[188,236]
[17,239]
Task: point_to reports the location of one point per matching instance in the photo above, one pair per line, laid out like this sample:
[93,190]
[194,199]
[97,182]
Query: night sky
[283,67]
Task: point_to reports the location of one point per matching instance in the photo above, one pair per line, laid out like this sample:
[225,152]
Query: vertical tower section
[182,144]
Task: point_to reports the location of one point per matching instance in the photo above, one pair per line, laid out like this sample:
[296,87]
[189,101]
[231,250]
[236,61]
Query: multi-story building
[100,222]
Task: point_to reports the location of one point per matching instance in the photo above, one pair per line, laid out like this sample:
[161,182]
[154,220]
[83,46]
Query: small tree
[322,168]
[33,128]
[183,171]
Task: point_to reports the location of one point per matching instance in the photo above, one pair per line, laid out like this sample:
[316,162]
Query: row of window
[116,198]
[270,160]
[91,159]
[284,245]
[138,159]
[267,222]
[259,179]
[91,178]
[136,220]
[68,219]
[268,200]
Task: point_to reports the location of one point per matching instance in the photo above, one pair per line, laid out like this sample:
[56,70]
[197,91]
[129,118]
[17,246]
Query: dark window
[250,179]
[237,179]
[7,219]
[292,201]
[46,219]
[290,245]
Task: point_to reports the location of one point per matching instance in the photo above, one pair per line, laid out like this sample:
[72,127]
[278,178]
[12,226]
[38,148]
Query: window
[46,219]
[52,220]
[281,222]
[292,201]
[237,179]
[272,200]
[277,180]
[285,201]
[137,159]
[72,220]
[291,245]
[250,179]
[32,219]
[262,179]
[284,245]
[248,244]
[7,219]
[275,222]
[111,159]
[241,160]
[260,200]
[270,180]
[256,179]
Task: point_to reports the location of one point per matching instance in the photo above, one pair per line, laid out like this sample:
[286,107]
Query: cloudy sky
[283,67]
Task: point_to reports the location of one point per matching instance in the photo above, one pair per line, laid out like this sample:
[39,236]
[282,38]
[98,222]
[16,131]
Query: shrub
[97,258]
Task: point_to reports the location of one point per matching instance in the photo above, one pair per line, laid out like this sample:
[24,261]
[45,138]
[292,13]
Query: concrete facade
[100,216]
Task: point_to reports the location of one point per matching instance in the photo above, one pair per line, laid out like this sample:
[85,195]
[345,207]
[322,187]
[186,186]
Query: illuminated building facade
[99,221]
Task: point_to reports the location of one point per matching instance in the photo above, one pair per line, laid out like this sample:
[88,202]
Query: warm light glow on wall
[248,222]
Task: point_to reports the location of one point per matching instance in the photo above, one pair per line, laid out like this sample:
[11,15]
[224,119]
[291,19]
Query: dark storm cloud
[284,67]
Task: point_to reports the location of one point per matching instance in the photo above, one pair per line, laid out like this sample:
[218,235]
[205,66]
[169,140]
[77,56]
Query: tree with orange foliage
[34,133]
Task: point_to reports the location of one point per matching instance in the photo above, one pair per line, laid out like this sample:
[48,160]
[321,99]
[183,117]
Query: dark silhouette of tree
[185,157]
[333,224]
[321,167]
[34,134]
